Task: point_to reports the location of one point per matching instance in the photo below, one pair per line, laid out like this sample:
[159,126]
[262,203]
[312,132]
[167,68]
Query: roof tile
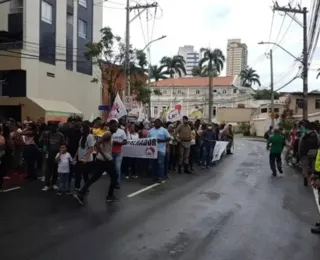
[195,82]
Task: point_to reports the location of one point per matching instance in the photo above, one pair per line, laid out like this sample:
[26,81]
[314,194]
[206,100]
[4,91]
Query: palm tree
[174,65]
[212,62]
[249,77]
[318,73]
[157,73]
[200,72]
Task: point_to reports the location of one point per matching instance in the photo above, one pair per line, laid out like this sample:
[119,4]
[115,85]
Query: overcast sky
[210,23]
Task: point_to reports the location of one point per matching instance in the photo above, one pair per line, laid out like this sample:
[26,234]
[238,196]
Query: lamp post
[305,78]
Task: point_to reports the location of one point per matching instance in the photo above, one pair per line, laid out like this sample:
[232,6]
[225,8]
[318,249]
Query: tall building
[43,70]
[190,56]
[237,57]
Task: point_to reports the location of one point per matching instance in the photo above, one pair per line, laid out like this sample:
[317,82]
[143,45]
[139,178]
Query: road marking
[315,192]
[11,189]
[143,190]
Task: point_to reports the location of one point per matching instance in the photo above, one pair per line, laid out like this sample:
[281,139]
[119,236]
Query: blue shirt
[162,134]
[208,137]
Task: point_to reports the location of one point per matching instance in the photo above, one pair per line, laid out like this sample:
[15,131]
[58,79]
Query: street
[233,211]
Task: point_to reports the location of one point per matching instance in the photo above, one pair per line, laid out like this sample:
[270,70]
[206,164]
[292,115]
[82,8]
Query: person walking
[104,163]
[276,143]
[64,160]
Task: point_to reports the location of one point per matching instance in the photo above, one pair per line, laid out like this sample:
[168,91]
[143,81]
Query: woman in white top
[130,164]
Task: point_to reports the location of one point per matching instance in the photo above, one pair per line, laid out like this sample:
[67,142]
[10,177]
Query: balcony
[10,41]
[70,6]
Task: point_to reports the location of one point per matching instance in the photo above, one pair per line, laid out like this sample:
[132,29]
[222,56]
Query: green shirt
[277,142]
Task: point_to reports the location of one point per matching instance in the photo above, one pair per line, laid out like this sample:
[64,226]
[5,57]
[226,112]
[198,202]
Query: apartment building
[237,57]
[193,94]
[190,56]
[43,71]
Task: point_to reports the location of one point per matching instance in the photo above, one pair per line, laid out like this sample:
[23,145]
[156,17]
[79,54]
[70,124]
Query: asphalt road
[234,211]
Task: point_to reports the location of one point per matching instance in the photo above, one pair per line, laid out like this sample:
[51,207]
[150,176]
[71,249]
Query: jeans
[30,155]
[207,150]
[275,159]
[192,156]
[117,158]
[159,166]
[51,173]
[130,166]
[166,165]
[99,168]
[63,181]
[82,170]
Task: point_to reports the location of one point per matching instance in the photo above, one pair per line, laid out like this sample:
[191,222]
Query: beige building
[43,70]
[237,57]
[193,94]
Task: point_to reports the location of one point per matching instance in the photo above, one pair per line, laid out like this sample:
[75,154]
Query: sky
[210,23]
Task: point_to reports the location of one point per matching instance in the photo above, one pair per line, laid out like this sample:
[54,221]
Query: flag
[118,109]
[92,118]
[175,114]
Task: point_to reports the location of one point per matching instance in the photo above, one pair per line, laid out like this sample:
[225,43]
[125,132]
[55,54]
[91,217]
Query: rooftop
[195,82]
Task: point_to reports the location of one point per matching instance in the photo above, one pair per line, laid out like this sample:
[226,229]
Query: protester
[209,139]
[63,159]
[277,143]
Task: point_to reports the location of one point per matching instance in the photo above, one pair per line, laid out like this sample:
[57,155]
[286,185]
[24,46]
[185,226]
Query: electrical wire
[270,33]
[284,18]
[143,34]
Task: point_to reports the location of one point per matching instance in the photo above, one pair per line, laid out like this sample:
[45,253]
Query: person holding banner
[103,163]
[209,139]
[162,135]
[185,137]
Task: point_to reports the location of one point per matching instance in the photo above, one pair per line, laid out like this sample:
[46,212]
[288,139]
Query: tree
[212,62]
[200,72]
[109,55]
[264,94]
[249,77]
[157,73]
[174,65]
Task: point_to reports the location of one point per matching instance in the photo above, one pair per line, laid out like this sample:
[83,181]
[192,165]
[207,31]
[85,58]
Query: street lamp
[158,39]
[278,45]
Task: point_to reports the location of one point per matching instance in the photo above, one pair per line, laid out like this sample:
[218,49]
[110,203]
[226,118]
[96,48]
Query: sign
[128,102]
[174,114]
[146,148]
[103,108]
[118,109]
[218,150]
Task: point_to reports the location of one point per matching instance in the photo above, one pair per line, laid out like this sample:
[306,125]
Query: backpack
[309,142]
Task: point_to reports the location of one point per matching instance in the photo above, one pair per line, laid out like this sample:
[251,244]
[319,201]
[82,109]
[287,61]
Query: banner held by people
[118,109]
[218,150]
[174,114]
[146,148]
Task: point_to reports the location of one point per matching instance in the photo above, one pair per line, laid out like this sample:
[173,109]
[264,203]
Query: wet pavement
[233,211]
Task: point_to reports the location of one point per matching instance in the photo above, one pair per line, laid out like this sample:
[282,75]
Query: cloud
[211,23]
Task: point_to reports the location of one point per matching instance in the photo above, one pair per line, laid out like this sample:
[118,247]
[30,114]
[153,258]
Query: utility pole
[127,50]
[289,10]
[271,88]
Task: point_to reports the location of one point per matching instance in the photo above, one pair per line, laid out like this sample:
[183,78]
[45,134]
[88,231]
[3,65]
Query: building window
[82,29]
[83,3]
[235,91]
[276,110]
[164,92]
[197,91]
[46,12]
[179,92]
[224,91]
[264,110]
[299,102]
[155,111]
[317,105]
[214,91]
[69,18]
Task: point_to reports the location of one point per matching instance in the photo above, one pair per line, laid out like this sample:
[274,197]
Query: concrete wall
[234,115]
[4,10]
[69,86]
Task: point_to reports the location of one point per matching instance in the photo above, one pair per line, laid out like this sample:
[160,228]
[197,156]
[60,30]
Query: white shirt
[64,162]
[119,136]
[83,151]
[134,136]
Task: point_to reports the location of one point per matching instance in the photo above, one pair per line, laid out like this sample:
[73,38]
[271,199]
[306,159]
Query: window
[179,92]
[317,105]
[155,111]
[264,110]
[197,91]
[276,110]
[224,91]
[82,29]
[299,102]
[69,18]
[83,3]
[214,91]
[46,12]
[235,91]
[164,92]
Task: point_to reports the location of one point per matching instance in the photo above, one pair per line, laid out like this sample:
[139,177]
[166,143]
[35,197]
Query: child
[63,159]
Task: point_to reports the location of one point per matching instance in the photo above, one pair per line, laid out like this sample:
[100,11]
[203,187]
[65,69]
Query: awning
[54,106]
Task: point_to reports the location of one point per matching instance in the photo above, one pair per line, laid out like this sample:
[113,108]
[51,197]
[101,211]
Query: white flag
[118,109]
[92,118]
[175,114]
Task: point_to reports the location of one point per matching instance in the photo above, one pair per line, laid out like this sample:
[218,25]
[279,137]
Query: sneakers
[59,193]
[113,198]
[55,187]
[45,188]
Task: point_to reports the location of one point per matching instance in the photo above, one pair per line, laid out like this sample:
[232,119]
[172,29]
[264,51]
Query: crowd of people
[84,151]
[300,147]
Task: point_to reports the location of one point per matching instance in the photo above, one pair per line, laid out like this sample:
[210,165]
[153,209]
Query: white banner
[219,148]
[146,148]
[174,114]
[118,109]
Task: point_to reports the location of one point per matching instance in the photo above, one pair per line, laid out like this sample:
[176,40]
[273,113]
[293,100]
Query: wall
[234,115]
[4,11]
[69,86]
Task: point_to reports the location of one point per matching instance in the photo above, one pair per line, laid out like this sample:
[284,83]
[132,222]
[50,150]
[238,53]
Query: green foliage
[264,94]
[174,65]
[244,128]
[158,72]
[200,71]
[287,124]
[212,62]
[249,77]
